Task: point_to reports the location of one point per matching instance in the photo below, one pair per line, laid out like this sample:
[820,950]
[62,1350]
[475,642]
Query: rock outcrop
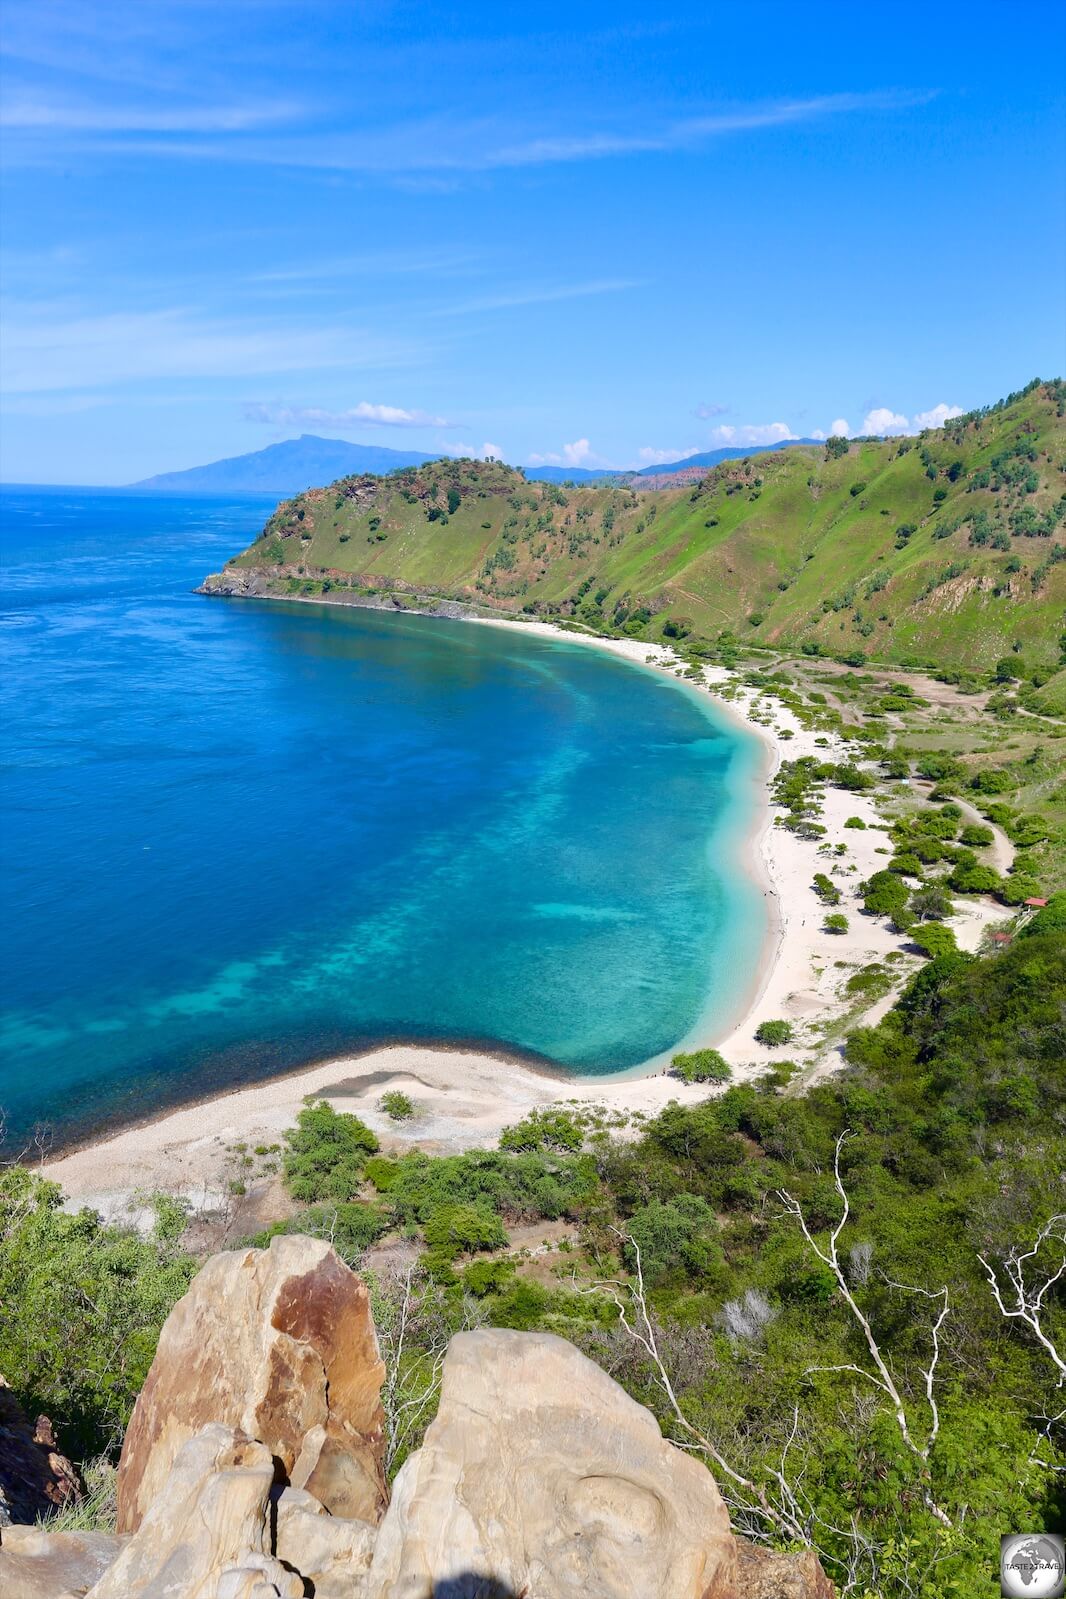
[35,1478]
[207,1533]
[279,1344]
[765,1574]
[38,1564]
[541,1474]
[252,1469]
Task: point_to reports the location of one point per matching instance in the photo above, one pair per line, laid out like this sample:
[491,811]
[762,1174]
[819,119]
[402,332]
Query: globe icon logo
[1032,1566]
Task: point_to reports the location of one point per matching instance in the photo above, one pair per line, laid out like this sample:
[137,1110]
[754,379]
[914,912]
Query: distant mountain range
[709,458]
[309,461]
[285,468]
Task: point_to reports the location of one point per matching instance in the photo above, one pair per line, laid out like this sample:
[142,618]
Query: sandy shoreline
[465,1098]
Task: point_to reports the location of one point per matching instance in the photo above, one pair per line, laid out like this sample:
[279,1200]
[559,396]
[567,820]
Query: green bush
[326,1155]
[856,822]
[774,1033]
[934,939]
[676,1239]
[835,922]
[81,1305]
[398,1107]
[883,894]
[553,1128]
[462,1229]
[700,1066]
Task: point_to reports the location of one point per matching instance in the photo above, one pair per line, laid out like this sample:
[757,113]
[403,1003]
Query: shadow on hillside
[469,1585]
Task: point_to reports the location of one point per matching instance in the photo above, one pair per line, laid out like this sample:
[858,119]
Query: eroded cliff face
[253,1469]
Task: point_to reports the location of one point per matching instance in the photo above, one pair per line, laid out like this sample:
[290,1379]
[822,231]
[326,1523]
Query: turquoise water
[241,836]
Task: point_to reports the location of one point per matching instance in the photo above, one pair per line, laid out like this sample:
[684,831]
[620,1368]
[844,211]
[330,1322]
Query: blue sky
[598,234]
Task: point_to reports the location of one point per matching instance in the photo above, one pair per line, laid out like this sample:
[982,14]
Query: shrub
[461,1229]
[835,922]
[934,940]
[398,1107]
[884,894]
[774,1033]
[975,837]
[326,1154]
[856,822]
[483,1277]
[553,1128]
[81,1305]
[701,1066]
[826,889]
[676,1239]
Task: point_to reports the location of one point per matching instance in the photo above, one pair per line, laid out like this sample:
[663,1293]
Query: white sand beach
[464,1099]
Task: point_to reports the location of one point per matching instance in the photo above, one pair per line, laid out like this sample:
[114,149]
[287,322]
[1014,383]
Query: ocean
[242,836]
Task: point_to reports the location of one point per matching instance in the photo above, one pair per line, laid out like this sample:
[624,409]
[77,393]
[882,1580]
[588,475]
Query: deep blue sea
[240,836]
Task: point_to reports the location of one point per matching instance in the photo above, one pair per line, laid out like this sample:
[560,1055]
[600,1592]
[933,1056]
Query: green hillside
[945,549]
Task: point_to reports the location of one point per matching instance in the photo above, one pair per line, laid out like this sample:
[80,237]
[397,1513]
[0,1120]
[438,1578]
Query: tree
[931,903]
[326,1154]
[883,894]
[398,1107]
[774,1033]
[835,922]
[826,889]
[934,940]
[701,1066]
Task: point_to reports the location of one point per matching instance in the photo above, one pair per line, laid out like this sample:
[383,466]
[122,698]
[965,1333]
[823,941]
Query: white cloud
[751,433]
[386,416]
[839,429]
[705,412]
[487,452]
[652,457]
[578,453]
[936,417]
[882,420]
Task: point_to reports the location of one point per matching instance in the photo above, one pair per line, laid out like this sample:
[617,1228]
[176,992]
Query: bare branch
[1023,1300]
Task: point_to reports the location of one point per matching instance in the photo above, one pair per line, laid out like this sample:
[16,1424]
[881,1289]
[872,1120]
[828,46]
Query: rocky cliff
[253,1469]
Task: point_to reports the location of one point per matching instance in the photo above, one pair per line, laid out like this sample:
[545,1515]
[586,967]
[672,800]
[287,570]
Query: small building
[1036,904]
[1001,938]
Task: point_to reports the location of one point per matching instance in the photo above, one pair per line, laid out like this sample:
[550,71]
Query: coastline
[464,1098]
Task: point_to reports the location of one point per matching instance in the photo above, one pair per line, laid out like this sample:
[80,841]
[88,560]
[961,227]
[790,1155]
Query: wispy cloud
[385,416]
[433,145]
[47,348]
[544,295]
[59,117]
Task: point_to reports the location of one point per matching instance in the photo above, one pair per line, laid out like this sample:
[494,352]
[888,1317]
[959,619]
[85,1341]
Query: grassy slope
[782,538]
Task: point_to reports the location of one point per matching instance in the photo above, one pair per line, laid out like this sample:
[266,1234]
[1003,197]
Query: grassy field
[939,551]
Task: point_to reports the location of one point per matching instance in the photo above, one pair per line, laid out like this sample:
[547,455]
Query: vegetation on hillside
[834,1298]
[947,548]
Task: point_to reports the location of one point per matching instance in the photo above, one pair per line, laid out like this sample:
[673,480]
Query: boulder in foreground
[278,1343]
[542,1476]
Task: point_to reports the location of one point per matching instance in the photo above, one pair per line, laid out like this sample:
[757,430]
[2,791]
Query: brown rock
[541,1476]
[766,1574]
[207,1533]
[38,1564]
[34,1477]
[280,1344]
